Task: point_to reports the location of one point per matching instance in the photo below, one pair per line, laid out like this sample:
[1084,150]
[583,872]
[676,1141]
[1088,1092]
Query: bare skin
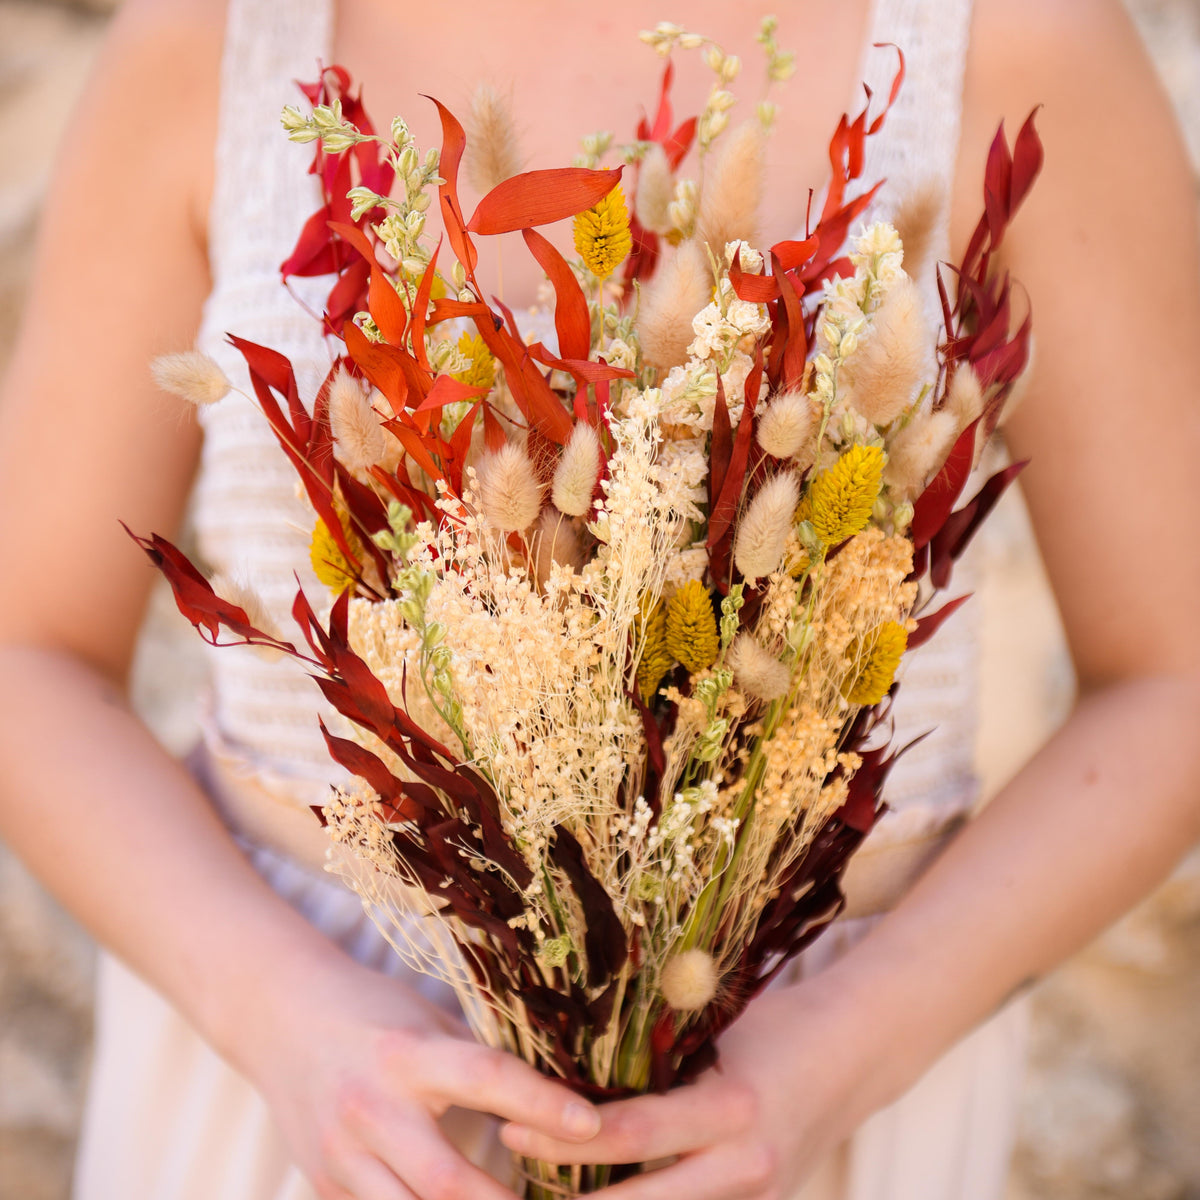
[1090,825]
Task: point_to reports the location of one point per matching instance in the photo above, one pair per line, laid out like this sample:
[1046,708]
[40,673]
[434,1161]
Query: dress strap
[268,46]
[917,148]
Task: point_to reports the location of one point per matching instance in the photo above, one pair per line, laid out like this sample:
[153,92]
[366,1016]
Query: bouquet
[614,617]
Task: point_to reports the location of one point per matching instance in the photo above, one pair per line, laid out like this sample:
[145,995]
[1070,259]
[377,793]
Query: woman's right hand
[359,1069]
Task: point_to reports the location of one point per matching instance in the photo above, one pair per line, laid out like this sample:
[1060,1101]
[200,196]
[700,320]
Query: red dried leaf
[721,514]
[935,502]
[381,365]
[448,390]
[572,321]
[541,197]
[960,527]
[928,625]
[680,142]
[454,142]
[604,941]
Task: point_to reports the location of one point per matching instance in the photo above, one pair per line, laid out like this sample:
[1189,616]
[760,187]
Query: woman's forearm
[120,833]
[1087,828]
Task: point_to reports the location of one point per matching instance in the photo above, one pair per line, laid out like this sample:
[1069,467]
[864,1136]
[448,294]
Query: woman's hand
[357,1073]
[793,1080]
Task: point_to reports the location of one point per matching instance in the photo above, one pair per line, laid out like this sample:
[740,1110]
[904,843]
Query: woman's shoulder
[158,76]
[1082,63]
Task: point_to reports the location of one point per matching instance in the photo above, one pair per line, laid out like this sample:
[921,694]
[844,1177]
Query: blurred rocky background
[1112,1108]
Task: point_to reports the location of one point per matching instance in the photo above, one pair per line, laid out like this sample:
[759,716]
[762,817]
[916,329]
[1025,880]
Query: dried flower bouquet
[617,620]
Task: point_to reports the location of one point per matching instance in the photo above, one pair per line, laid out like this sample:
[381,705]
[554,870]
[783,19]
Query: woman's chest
[573,69]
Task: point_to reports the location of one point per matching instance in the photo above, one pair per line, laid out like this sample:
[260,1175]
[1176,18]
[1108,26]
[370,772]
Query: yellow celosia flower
[843,496]
[691,627]
[602,234]
[330,565]
[656,660]
[876,658]
[482,371]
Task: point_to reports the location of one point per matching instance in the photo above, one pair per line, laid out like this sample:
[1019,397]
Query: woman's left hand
[792,1082]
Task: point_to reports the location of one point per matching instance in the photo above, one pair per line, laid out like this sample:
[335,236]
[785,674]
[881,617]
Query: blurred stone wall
[1112,1108]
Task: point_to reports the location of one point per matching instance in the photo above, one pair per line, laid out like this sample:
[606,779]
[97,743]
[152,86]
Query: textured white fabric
[167,1120]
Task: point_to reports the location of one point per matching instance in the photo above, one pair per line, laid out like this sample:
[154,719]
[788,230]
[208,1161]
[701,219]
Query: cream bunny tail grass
[882,375]
[510,496]
[764,528]
[680,289]
[237,590]
[493,153]
[655,191]
[577,471]
[191,375]
[361,440]
[756,670]
[732,189]
[689,980]
[915,219]
[556,541]
[965,396]
[787,425]
[918,450]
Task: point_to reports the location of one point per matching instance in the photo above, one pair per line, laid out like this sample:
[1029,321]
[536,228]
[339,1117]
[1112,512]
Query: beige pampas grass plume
[577,471]
[689,980]
[757,671]
[493,152]
[555,540]
[965,396]
[732,189]
[915,219]
[191,375]
[786,425]
[678,291]
[882,375]
[510,496]
[918,451]
[655,191]
[763,531]
[360,440]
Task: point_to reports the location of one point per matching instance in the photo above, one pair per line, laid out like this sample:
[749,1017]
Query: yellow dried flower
[482,371]
[876,658]
[602,234]
[329,564]
[656,660]
[843,496]
[691,627]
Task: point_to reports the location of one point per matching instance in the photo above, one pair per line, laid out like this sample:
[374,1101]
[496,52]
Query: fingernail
[516,1138]
[581,1120]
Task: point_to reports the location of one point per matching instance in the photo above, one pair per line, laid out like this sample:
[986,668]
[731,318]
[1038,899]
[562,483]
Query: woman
[355,1067]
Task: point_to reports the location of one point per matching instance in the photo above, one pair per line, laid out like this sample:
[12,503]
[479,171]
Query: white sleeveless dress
[167,1119]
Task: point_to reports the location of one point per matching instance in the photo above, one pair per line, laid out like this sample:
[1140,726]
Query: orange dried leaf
[541,197]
